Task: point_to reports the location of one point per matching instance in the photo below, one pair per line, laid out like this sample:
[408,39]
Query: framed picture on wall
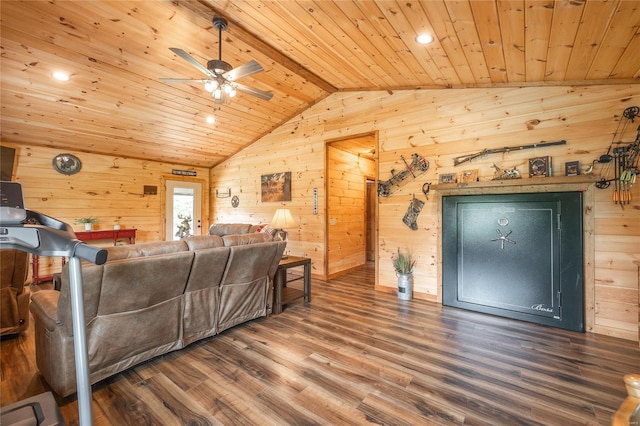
[275,187]
[468,176]
[447,178]
[572,168]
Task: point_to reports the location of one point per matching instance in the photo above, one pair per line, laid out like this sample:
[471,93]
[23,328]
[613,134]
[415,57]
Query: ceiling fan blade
[253,91]
[184,80]
[244,70]
[184,55]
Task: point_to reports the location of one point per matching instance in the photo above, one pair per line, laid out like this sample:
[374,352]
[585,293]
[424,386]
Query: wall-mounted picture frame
[467,176]
[572,168]
[447,178]
[276,187]
[540,166]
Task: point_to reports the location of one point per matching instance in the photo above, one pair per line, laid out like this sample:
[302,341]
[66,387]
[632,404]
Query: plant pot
[405,286]
[88,226]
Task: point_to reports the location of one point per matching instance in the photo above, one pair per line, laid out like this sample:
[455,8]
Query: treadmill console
[12,211]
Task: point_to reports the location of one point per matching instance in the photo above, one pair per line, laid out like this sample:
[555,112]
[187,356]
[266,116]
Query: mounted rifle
[464,158]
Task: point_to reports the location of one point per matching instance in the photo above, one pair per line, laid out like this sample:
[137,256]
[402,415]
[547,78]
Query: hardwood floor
[354,356]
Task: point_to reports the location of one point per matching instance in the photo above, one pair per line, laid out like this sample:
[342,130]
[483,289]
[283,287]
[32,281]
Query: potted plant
[88,222]
[403,263]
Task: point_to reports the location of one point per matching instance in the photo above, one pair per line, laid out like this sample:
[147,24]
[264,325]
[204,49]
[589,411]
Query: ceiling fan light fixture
[228,89]
[210,86]
[218,66]
[220,74]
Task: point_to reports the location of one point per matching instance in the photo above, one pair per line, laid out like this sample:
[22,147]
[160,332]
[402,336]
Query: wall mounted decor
[468,176]
[447,178]
[276,187]
[67,164]
[540,166]
[464,158]
[411,216]
[223,193]
[418,166]
[572,168]
[502,174]
[625,160]
[150,190]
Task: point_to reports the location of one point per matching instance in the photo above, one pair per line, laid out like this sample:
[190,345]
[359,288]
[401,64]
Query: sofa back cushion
[199,242]
[243,239]
[202,295]
[14,267]
[162,247]
[222,229]
[139,308]
[245,284]
[123,252]
[145,249]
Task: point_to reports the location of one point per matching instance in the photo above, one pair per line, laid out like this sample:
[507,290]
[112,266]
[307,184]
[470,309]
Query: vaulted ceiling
[116,51]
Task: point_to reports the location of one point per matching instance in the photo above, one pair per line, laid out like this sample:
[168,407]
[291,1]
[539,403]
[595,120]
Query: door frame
[327,189]
[204,214]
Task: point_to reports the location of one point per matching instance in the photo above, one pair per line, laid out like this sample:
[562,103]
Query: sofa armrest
[44,306]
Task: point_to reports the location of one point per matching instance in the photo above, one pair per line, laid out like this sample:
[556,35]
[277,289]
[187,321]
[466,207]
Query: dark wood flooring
[354,356]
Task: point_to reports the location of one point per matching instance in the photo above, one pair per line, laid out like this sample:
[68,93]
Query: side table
[283,294]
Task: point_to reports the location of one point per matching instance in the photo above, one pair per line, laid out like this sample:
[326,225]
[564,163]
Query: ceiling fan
[222,78]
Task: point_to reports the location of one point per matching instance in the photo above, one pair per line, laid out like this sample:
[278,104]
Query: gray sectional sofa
[152,298]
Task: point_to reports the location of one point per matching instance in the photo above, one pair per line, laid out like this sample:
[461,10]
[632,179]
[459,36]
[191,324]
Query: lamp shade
[282,220]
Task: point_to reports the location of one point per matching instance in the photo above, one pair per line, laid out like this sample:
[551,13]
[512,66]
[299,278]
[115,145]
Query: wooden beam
[206,10]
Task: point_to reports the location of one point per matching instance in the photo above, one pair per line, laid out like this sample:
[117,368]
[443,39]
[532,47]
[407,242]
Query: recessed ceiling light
[211,119]
[60,75]
[424,38]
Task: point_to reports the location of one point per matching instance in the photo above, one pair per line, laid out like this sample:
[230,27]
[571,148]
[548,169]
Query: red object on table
[106,234]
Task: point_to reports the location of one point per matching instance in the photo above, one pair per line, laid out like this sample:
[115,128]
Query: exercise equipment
[39,234]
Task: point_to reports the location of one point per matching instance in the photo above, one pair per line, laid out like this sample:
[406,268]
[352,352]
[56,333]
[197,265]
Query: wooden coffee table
[283,294]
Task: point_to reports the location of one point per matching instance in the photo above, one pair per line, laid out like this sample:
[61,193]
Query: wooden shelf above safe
[571,183]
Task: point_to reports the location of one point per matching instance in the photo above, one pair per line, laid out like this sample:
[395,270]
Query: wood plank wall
[346,194]
[107,187]
[440,125]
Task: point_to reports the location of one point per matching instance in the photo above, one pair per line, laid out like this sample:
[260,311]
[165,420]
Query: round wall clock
[235,201]
[67,164]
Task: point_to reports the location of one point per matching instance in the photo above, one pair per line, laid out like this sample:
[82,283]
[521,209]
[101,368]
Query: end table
[283,294]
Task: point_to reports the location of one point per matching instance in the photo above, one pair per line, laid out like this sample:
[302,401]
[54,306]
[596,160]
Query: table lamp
[282,220]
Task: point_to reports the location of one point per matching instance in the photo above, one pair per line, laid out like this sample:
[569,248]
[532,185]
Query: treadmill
[42,235]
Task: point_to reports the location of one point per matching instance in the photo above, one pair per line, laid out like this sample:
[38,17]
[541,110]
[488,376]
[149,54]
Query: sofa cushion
[14,291]
[122,252]
[243,239]
[162,247]
[201,297]
[222,229]
[200,242]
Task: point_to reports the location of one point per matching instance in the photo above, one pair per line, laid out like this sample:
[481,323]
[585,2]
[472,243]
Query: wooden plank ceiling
[116,51]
